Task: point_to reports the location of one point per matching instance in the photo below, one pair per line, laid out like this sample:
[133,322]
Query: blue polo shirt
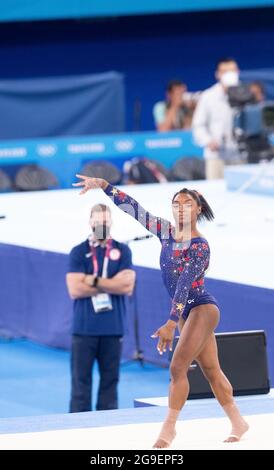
[85,320]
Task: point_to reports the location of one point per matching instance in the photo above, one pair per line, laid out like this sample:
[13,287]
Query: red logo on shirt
[115,254]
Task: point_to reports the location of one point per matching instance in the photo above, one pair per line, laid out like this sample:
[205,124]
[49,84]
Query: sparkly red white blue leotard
[183,264]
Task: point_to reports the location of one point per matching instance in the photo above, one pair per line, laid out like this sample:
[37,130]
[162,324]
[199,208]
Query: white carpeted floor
[192,434]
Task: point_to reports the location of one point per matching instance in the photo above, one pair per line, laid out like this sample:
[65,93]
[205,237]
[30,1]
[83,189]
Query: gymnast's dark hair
[206,211]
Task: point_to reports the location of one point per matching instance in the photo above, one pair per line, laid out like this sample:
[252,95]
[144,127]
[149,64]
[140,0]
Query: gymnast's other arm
[194,268]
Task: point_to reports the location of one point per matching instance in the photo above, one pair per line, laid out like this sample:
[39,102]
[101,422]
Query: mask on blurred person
[230,79]
[101,231]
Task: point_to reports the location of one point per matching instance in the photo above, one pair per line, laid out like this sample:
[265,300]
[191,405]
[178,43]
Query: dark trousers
[85,350]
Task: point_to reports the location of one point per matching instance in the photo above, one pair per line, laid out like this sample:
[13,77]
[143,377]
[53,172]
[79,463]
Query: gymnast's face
[185,209]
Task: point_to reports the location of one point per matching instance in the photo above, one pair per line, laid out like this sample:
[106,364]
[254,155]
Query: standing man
[99,277]
[213,121]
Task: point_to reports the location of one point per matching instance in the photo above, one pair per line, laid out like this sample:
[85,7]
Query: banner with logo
[65,156]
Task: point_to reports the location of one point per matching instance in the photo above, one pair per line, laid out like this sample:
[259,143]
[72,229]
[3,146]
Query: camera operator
[213,121]
[258,91]
[177,111]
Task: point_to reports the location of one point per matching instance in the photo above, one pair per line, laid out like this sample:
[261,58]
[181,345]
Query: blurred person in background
[258,91]
[99,277]
[176,112]
[213,121]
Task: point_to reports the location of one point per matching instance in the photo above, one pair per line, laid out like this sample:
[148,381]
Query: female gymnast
[184,259]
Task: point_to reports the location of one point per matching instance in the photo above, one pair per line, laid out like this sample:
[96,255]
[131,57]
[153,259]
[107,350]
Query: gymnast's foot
[238,430]
[166,436]
[239,425]
[168,432]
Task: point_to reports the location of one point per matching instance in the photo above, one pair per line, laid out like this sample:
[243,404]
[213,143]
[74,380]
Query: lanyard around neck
[95,260]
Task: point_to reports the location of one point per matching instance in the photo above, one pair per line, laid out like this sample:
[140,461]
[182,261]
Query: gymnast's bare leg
[196,332]
[209,363]
[222,389]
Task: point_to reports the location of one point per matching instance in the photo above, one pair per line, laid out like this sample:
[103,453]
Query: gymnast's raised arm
[156,225]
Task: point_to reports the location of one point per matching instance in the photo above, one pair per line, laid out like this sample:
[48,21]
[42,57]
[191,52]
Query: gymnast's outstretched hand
[166,336]
[90,183]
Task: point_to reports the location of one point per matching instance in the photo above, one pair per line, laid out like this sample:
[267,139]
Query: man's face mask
[101,231]
[230,79]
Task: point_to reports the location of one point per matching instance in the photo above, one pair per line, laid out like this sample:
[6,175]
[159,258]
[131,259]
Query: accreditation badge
[101,302]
